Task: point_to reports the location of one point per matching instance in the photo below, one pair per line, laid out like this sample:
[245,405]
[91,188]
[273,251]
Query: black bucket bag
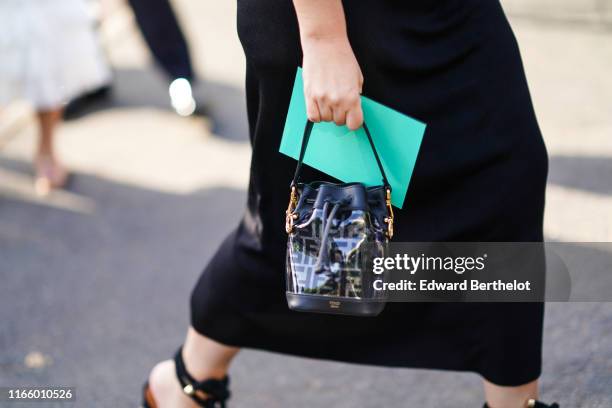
[335,232]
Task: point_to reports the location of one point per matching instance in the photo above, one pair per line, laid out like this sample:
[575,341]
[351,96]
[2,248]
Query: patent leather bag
[335,232]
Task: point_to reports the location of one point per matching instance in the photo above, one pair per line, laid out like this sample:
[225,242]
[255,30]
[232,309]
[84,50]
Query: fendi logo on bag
[334,304]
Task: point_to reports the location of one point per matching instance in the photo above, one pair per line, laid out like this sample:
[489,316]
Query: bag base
[334,305]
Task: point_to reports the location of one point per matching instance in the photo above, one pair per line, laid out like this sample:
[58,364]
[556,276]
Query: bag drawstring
[323,258]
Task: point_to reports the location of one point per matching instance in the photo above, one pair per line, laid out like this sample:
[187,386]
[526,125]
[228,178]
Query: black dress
[480,176]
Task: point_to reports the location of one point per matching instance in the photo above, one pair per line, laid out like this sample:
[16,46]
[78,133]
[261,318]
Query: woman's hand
[332,82]
[332,77]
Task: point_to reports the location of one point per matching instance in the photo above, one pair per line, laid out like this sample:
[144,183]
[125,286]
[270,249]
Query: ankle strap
[534,404]
[216,390]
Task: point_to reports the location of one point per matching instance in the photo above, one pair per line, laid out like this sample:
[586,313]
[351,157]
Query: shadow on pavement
[223,104]
[592,174]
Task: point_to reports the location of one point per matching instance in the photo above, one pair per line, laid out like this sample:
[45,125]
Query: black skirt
[480,176]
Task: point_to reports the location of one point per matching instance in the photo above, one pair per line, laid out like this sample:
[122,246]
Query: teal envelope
[346,155]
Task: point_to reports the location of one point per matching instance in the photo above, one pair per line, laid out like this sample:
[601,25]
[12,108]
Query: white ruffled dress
[49,52]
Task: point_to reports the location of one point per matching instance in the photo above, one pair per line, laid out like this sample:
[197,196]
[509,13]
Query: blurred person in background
[164,37]
[49,54]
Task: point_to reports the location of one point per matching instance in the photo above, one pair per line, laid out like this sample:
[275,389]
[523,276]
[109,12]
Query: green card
[346,155]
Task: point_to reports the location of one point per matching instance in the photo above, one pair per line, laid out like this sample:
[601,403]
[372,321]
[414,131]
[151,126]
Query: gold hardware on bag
[290,215]
[531,403]
[389,219]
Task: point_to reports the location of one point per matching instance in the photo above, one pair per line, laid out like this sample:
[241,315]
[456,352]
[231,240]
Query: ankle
[202,372]
[530,403]
[44,157]
[204,368]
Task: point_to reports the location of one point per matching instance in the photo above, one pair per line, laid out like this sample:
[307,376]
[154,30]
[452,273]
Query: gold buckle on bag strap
[389,219]
[290,215]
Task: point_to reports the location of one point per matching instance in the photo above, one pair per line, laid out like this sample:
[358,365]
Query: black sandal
[534,404]
[217,391]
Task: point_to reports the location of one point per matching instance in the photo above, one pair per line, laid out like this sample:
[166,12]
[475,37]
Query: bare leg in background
[50,173]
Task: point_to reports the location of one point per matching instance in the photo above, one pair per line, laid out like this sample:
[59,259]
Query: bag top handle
[306,138]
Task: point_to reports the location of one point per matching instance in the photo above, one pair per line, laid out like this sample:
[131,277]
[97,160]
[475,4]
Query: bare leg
[49,172]
[510,397]
[204,359]
[47,121]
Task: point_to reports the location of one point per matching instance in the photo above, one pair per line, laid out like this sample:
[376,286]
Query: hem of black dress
[503,382]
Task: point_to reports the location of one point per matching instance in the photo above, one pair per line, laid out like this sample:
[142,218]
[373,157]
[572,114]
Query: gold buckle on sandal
[188,389]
